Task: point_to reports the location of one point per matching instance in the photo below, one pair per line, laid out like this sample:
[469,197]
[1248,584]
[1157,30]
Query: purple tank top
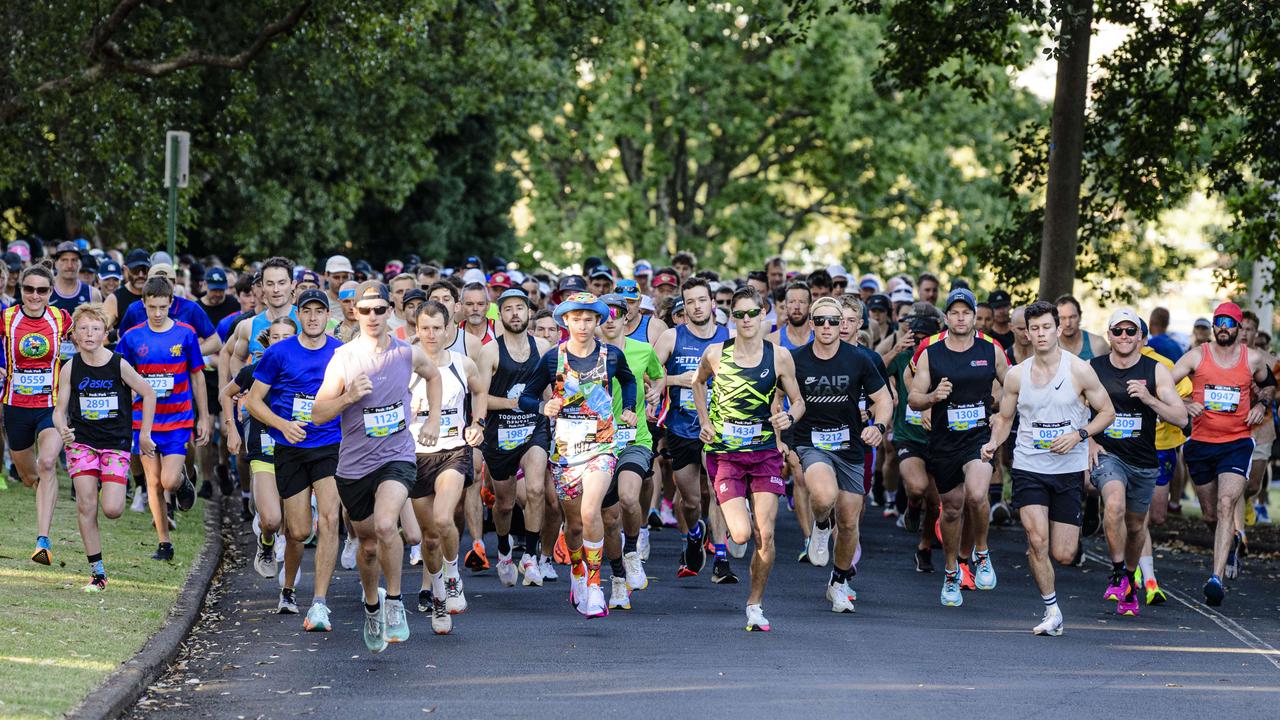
[375,431]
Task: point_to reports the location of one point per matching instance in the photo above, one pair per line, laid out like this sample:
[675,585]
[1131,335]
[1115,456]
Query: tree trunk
[1059,241]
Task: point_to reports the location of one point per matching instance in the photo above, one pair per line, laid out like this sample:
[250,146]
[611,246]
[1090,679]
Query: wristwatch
[880,427]
[1084,434]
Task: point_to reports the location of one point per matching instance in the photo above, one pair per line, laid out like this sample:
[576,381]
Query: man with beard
[680,351]
[1223,409]
[514,439]
[475,308]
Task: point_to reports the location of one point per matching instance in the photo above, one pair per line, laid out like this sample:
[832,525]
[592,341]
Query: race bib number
[966,417]
[384,421]
[1221,398]
[575,436]
[162,384]
[268,443]
[513,437]
[33,383]
[831,439]
[740,435]
[1043,434]
[914,417]
[1125,426]
[302,405]
[686,399]
[624,437]
[450,422]
[94,407]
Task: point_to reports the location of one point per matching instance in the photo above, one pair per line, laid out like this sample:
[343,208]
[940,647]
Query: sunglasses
[36,290]
[754,312]
[1221,321]
[1130,331]
[841,285]
[827,320]
[380,310]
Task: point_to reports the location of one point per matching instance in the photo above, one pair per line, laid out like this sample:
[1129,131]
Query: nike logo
[1059,385]
[810,380]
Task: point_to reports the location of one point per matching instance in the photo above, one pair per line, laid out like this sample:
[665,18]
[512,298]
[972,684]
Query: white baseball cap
[1124,315]
[473,275]
[339,264]
[837,270]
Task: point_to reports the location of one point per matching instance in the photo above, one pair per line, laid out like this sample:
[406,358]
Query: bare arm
[1002,422]
[428,371]
[335,395]
[706,370]
[1166,401]
[60,408]
[478,385]
[203,431]
[920,398]
[785,366]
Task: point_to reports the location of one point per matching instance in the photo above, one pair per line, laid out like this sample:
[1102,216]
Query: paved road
[682,651]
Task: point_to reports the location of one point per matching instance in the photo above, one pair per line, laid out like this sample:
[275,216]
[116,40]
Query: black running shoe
[695,553]
[206,490]
[655,520]
[186,495]
[424,601]
[164,551]
[224,480]
[722,574]
[924,560]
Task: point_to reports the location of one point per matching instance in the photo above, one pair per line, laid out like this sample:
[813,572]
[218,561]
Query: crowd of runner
[369,414]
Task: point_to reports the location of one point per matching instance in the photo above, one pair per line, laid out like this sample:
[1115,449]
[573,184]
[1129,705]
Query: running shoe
[966,576]
[264,561]
[424,600]
[139,500]
[97,584]
[415,554]
[620,597]
[890,511]
[1115,587]
[528,567]
[643,545]
[375,625]
[397,623]
[695,554]
[1250,515]
[901,522]
[487,497]
[722,574]
[839,596]
[476,561]
[951,596]
[1051,623]
[317,619]
[548,569]
[1214,593]
[654,520]
[1128,603]
[984,578]
[225,485]
[1175,508]
[279,545]
[455,598]
[1233,558]
[911,518]
[1264,515]
[667,514]
[736,551]
[164,552]
[756,621]
[636,577]
[42,556]
[924,560]
[1155,596]
[560,553]
[804,552]
[349,548]
[578,590]
[206,490]
[441,620]
[506,571]
[1001,515]
[596,607]
[819,546]
[297,576]
[287,604]
[186,495]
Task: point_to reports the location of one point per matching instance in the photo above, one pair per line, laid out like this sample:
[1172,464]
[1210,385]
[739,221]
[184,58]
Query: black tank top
[508,429]
[101,409]
[81,296]
[1132,435]
[964,417]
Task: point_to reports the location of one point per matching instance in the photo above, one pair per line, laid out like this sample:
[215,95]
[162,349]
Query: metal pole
[173,196]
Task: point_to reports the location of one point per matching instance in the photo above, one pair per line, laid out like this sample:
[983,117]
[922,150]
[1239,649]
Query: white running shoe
[756,619]
[529,568]
[280,547]
[297,577]
[264,561]
[667,515]
[840,597]
[596,606]
[578,590]
[349,548]
[547,567]
[287,605]
[736,550]
[140,501]
[1051,624]
[506,570]
[455,600]
[441,620]
[642,543]
[620,597]
[636,577]
[317,619]
[820,546]
[415,554]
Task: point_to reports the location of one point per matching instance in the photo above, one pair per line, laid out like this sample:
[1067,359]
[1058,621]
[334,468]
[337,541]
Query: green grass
[57,642]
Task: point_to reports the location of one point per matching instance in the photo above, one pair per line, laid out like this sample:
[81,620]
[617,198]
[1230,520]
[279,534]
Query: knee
[505,502]
[765,537]
[87,504]
[385,528]
[1064,556]
[430,541]
[298,534]
[590,515]
[47,465]
[951,513]
[113,510]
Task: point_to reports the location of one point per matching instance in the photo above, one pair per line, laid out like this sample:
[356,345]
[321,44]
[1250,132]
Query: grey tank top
[1046,412]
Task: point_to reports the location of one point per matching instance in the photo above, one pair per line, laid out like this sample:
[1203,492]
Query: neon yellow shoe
[1155,596]
[1250,515]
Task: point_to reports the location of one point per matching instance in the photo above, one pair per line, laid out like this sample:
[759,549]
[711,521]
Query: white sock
[437,584]
[451,568]
[1148,567]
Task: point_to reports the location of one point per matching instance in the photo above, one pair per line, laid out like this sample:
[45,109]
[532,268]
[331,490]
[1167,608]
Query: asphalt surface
[682,650]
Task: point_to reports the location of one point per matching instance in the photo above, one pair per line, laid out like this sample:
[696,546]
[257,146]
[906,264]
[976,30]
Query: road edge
[122,688]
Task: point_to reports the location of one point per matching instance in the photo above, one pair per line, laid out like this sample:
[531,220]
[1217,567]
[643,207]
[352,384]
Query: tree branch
[104,31]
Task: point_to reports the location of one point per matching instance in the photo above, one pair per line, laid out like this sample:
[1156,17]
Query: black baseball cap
[313,296]
[12,261]
[999,299]
[137,258]
[879,302]
[64,247]
[414,294]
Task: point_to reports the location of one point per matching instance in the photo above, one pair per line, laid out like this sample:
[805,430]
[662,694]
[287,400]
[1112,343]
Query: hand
[233,439]
[1257,414]
[1138,391]
[781,421]
[552,407]
[872,436]
[146,444]
[473,435]
[293,432]
[652,396]
[1064,443]
[1094,451]
[942,392]
[988,451]
[1195,409]
[926,420]
[430,434]
[905,342]
[359,388]
[203,431]
[707,433]
[628,418]
[685,379]
[68,435]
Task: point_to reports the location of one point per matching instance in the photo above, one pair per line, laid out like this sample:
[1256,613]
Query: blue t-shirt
[166,360]
[226,324]
[1166,346]
[182,310]
[295,374]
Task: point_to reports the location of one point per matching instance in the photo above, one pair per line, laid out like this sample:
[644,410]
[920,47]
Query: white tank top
[1046,412]
[453,393]
[459,345]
